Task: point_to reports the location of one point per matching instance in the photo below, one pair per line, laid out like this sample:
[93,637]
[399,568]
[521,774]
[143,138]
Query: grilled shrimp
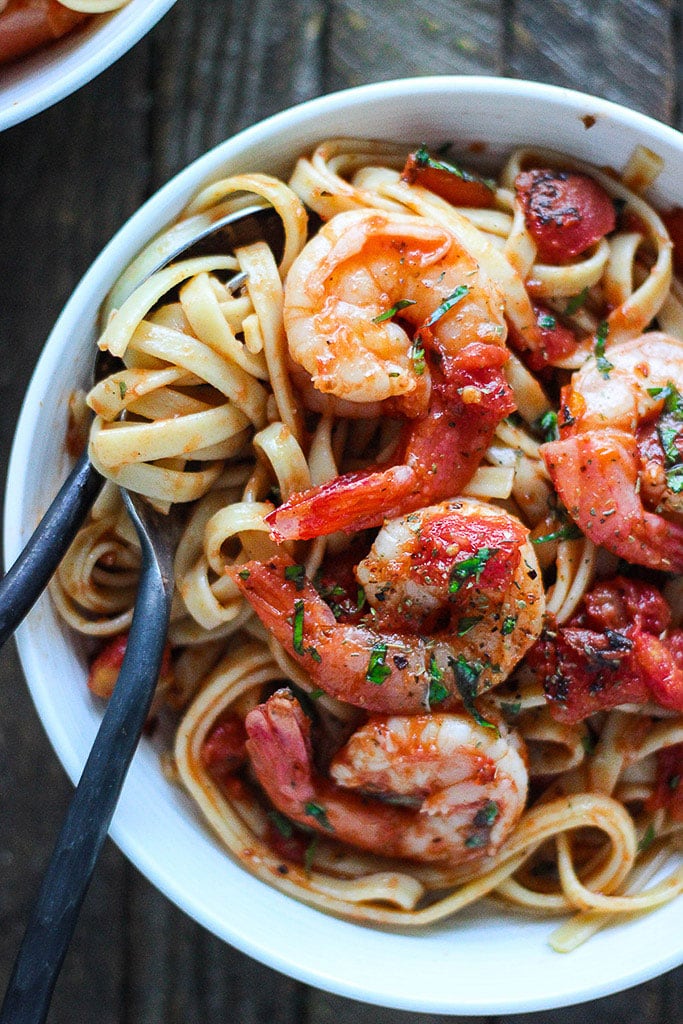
[388,308]
[618,467]
[463,787]
[455,599]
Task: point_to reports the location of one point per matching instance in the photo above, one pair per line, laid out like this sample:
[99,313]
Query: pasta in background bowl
[448,966]
[40,78]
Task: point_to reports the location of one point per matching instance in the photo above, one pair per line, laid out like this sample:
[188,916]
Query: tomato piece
[223,750]
[565,212]
[105,668]
[26,25]
[556,341]
[452,183]
[614,651]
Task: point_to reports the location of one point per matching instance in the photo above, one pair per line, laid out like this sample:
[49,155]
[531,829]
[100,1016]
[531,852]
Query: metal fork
[85,827]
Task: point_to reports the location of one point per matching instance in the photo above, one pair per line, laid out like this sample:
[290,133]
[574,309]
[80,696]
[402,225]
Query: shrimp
[388,308]
[618,465]
[464,787]
[455,600]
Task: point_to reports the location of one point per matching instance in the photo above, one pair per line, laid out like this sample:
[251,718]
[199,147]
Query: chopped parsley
[469,568]
[417,354]
[378,670]
[487,814]
[647,839]
[298,627]
[244,574]
[282,824]
[360,598]
[604,365]
[547,322]
[319,813]
[468,622]
[296,574]
[670,432]
[309,855]
[123,387]
[509,623]
[437,690]
[569,531]
[448,303]
[423,159]
[466,679]
[387,315]
[512,709]
[547,426]
[478,839]
[575,303]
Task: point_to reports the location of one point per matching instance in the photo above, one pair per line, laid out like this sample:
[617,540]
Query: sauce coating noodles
[426,640]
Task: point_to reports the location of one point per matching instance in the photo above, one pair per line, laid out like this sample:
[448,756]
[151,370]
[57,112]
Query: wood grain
[69,178]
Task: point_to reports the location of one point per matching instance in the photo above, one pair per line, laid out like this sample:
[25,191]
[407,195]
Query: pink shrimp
[455,600]
[388,308]
[622,434]
[464,786]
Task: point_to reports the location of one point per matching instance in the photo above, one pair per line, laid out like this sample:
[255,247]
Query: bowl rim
[160,208]
[120,33]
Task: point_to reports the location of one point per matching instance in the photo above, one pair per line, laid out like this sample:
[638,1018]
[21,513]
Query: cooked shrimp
[620,450]
[455,599]
[464,786]
[27,24]
[387,307]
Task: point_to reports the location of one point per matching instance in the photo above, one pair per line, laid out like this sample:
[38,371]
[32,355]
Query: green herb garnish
[466,679]
[423,159]
[298,627]
[296,574]
[604,365]
[487,814]
[547,426]
[378,670]
[244,574]
[576,302]
[509,623]
[468,622]
[448,303]
[476,840]
[547,322]
[648,839]
[319,813]
[282,824]
[401,304]
[309,855]
[569,531]
[468,568]
[437,690]
[123,387]
[417,354]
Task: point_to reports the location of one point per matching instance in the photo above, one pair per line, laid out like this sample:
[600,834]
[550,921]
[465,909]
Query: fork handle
[80,841]
[25,581]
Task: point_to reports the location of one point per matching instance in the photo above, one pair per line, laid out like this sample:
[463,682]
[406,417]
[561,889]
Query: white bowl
[489,960]
[40,79]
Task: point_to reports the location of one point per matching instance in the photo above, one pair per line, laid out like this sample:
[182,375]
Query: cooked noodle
[218,414]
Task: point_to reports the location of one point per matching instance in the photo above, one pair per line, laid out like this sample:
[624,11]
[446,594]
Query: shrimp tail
[596,477]
[279,748]
[438,454]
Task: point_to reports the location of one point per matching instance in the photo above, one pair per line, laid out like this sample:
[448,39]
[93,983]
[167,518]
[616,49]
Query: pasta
[425,644]
[26,25]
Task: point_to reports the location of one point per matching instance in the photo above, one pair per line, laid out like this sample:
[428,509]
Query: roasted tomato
[105,668]
[452,183]
[615,650]
[565,212]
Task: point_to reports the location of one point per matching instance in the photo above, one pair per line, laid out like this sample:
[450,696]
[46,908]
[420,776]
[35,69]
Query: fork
[66,880]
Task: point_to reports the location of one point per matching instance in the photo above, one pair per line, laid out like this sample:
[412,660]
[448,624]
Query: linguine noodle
[219,416]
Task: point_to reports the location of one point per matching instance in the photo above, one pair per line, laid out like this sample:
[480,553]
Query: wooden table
[68,179]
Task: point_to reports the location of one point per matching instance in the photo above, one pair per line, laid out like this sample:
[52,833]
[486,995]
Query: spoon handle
[73,860]
[25,581]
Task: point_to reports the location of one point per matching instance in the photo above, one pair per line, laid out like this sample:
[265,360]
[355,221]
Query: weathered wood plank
[375,40]
[621,51]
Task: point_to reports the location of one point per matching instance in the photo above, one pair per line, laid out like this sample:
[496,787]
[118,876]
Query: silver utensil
[27,578]
[85,827]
